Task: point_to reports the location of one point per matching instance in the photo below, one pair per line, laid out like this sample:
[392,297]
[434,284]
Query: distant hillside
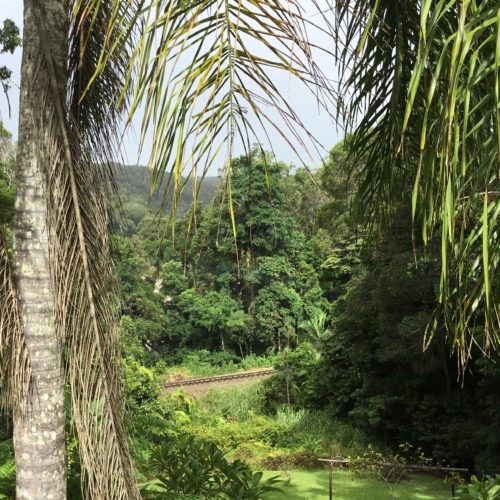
[134,188]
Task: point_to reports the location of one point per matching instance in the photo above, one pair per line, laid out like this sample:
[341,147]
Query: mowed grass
[313,485]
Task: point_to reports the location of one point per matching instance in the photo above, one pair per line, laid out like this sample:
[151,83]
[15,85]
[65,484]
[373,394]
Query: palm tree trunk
[39,436]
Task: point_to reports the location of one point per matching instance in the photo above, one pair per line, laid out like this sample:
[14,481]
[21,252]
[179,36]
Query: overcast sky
[317,122]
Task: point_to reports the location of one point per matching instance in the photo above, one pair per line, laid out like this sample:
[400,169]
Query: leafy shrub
[142,385]
[293,383]
[488,489]
[229,435]
[185,467]
[251,453]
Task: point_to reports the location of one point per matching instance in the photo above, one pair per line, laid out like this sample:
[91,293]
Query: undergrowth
[238,420]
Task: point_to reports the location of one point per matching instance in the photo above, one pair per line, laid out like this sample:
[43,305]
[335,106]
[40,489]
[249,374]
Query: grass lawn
[313,485]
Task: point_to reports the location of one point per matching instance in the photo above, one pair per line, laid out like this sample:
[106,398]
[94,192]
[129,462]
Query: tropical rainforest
[367,281]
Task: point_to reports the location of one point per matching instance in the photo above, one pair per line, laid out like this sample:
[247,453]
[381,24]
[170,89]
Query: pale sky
[319,124]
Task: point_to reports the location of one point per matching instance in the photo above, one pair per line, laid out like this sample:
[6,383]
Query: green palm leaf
[205,80]
[436,97]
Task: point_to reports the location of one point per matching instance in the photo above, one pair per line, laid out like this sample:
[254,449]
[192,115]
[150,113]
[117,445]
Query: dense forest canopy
[347,318]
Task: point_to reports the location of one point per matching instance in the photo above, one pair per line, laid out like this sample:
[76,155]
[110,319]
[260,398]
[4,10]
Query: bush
[229,435]
[142,384]
[252,453]
[293,384]
[186,467]
[488,489]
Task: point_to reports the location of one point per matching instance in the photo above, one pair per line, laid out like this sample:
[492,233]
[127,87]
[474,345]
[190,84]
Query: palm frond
[377,40]
[16,381]
[446,142]
[457,189]
[205,82]
[78,137]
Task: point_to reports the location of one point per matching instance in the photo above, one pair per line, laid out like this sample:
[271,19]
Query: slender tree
[60,319]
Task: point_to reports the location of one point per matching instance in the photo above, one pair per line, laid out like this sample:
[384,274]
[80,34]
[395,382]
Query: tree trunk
[39,437]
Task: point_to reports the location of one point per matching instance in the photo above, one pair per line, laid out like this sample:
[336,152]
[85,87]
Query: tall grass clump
[318,432]
[237,404]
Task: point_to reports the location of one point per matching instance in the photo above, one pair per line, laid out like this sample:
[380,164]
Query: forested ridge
[138,199]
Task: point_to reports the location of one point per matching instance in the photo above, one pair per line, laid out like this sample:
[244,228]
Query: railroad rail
[219,378]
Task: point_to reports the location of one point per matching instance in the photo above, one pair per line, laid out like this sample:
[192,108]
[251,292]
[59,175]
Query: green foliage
[141,203]
[279,311]
[422,82]
[141,384]
[204,363]
[304,195]
[7,471]
[74,469]
[487,489]
[293,384]
[9,41]
[316,432]
[241,293]
[213,313]
[345,319]
[239,421]
[7,168]
[374,373]
[315,328]
[230,434]
[266,265]
[338,241]
[235,404]
[173,277]
[185,467]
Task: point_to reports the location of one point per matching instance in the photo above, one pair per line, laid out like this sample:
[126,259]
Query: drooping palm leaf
[444,139]
[377,42]
[206,80]
[15,368]
[79,135]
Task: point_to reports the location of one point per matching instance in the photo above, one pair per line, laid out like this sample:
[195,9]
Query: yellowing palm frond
[205,80]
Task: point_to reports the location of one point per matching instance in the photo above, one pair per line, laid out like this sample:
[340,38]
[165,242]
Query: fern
[7,471]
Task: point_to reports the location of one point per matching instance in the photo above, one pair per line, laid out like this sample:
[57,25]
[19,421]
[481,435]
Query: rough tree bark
[39,437]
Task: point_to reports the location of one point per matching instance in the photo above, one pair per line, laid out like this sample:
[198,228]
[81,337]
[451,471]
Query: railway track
[213,381]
